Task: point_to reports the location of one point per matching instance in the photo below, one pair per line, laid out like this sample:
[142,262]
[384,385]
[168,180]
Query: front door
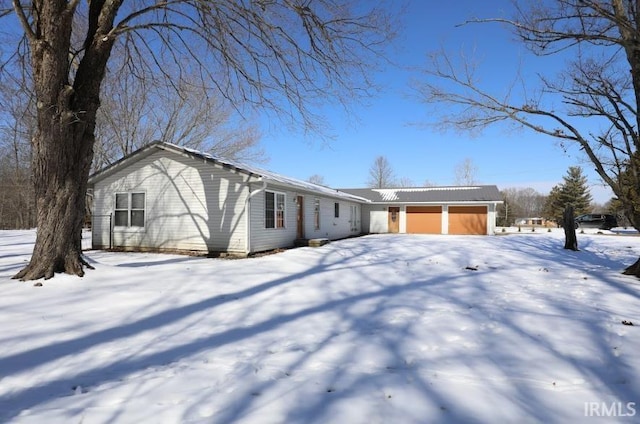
[300,213]
[394,219]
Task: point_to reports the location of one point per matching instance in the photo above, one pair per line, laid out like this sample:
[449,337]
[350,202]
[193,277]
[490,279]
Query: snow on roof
[269,175]
[479,193]
[391,194]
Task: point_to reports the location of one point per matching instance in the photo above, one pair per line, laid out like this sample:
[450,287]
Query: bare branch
[24,21]
[593,103]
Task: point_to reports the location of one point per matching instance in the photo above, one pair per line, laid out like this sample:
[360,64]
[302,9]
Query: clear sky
[417,152]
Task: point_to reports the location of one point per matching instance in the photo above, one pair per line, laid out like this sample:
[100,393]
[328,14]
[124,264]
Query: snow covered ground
[378,329]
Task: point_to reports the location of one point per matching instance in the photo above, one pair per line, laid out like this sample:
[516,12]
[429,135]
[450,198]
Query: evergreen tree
[553,207]
[575,191]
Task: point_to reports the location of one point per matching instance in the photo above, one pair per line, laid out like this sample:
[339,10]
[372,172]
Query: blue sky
[418,152]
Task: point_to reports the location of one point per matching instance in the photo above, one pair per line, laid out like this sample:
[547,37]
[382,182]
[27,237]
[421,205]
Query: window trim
[129,209]
[279,222]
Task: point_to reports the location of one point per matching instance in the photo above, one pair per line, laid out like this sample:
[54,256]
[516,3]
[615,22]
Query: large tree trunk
[61,162]
[63,143]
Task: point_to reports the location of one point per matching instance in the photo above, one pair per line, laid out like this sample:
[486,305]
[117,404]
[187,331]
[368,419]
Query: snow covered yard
[378,329]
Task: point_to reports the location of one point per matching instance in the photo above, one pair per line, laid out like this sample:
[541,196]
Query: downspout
[247,208]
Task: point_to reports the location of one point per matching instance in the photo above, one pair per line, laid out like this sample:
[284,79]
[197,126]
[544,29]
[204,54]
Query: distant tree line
[574,191]
[134,113]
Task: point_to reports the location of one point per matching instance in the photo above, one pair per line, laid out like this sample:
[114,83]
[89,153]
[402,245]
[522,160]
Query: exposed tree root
[72,264]
[633,269]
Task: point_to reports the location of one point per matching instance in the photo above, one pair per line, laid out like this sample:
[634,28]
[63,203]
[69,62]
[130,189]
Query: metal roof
[444,194]
[240,167]
[449,194]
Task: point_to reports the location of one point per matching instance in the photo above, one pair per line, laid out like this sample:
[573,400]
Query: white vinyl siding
[195,205]
[263,238]
[190,205]
[332,228]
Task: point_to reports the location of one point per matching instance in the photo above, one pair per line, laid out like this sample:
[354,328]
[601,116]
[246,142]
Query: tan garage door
[424,219]
[467,220]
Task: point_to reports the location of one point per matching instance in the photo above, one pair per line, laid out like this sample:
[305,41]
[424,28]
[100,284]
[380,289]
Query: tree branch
[24,22]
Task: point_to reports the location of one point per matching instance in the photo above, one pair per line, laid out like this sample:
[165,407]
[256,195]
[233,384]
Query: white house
[167,197]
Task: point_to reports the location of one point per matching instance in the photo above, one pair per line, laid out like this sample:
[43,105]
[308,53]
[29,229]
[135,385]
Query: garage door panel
[424,219]
[468,220]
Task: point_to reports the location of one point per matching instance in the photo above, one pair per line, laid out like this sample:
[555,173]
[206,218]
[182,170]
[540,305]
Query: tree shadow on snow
[386,317]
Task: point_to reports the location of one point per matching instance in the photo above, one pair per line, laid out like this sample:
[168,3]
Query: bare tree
[465,173]
[593,103]
[405,182]
[523,202]
[135,112]
[381,174]
[316,179]
[283,57]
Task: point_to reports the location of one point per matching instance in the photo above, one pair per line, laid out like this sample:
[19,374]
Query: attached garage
[424,219]
[468,220]
[430,210]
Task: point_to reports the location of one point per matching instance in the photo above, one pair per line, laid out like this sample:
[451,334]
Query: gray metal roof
[448,194]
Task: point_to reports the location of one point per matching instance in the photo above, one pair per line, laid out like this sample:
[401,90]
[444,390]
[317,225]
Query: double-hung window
[130,210]
[274,210]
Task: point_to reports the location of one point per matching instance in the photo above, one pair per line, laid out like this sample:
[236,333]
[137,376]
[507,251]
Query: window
[316,214]
[129,210]
[274,211]
[336,210]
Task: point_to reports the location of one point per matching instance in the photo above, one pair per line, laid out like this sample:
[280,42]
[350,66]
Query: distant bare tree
[280,56]
[316,179]
[405,182]
[381,174]
[465,173]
